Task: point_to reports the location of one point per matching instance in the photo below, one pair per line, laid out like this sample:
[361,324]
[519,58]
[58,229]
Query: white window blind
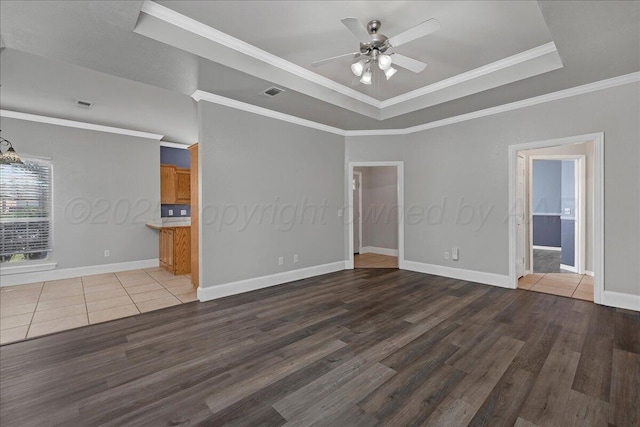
[25,211]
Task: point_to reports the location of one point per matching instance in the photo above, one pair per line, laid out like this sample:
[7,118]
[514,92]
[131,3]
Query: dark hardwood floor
[353,348]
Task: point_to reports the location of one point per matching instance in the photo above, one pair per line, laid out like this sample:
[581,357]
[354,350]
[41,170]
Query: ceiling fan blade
[420,30]
[408,63]
[357,29]
[323,61]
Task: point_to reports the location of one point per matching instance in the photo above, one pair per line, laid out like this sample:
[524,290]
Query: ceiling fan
[377,48]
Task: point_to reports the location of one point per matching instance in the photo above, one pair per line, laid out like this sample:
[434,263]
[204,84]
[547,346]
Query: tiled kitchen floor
[28,311]
[370,260]
[564,284]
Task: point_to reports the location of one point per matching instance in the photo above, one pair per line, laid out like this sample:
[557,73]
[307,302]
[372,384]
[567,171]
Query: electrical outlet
[340,213]
[295,258]
[446,255]
[170,212]
[281,260]
[183,212]
[107,253]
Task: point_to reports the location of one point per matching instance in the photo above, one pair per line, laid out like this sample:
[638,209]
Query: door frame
[579,255]
[598,204]
[521,245]
[399,165]
[360,205]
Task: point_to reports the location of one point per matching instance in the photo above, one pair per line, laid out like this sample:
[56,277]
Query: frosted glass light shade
[357,68]
[384,62]
[366,77]
[389,72]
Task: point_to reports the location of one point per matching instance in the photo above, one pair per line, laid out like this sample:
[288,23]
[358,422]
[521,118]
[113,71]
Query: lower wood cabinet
[175,249]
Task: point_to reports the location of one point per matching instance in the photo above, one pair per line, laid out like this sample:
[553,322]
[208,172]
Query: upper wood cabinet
[167,184]
[175,185]
[183,186]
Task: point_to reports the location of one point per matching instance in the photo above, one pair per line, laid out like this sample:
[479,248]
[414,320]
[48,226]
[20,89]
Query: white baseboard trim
[620,300]
[547,248]
[589,273]
[241,286]
[68,273]
[26,267]
[568,268]
[380,251]
[527,272]
[459,273]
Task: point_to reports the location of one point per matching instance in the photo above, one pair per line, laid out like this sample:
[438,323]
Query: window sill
[6,270]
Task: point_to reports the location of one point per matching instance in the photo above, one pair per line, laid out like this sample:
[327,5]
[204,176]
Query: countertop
[170,223]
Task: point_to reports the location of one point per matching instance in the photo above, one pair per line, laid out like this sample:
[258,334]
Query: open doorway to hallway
[556,231]
[358,243]
[375,217]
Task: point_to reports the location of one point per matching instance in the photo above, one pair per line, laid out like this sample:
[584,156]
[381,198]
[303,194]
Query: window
[25,211]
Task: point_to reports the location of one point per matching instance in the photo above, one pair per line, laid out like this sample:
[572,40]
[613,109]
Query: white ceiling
[472,34]
[596,40]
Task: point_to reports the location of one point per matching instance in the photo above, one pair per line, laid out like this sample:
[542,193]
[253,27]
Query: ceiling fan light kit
[378,48]
[389,72]
[366,77]
[358,67]
[384,62]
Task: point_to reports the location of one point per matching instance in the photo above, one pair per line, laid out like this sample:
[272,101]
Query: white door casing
[357,212]
[520,215]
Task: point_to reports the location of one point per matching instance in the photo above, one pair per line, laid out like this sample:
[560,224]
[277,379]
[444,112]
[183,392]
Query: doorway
[556,230]
[375,226]
[557,210]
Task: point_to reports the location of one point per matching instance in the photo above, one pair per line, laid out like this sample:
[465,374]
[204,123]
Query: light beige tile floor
[370,260]
[564,284]
[35,309]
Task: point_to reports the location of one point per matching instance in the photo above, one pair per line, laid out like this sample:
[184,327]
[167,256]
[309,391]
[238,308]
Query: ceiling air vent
[273,91]
[84,104]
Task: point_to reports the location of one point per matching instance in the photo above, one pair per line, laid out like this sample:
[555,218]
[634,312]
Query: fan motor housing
[379,42]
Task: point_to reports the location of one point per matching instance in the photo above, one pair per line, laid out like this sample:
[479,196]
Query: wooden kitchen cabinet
[175,185]
[167,184]
[175,249]
[183,186]
[195,217]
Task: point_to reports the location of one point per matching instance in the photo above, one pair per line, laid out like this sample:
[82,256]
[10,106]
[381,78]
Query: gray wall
[464,167]
[547,230]
[379,206]
[568,189]
[105,188]
[251,163]
[547,186]
[546,202]
[568,223]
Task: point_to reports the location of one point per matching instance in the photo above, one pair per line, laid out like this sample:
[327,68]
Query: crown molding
[174,145]
[554,96]
[191,25]
[78,125]
[200,95]
[501,64]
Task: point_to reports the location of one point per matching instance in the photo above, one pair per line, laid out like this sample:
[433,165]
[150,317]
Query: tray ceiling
[481,45]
